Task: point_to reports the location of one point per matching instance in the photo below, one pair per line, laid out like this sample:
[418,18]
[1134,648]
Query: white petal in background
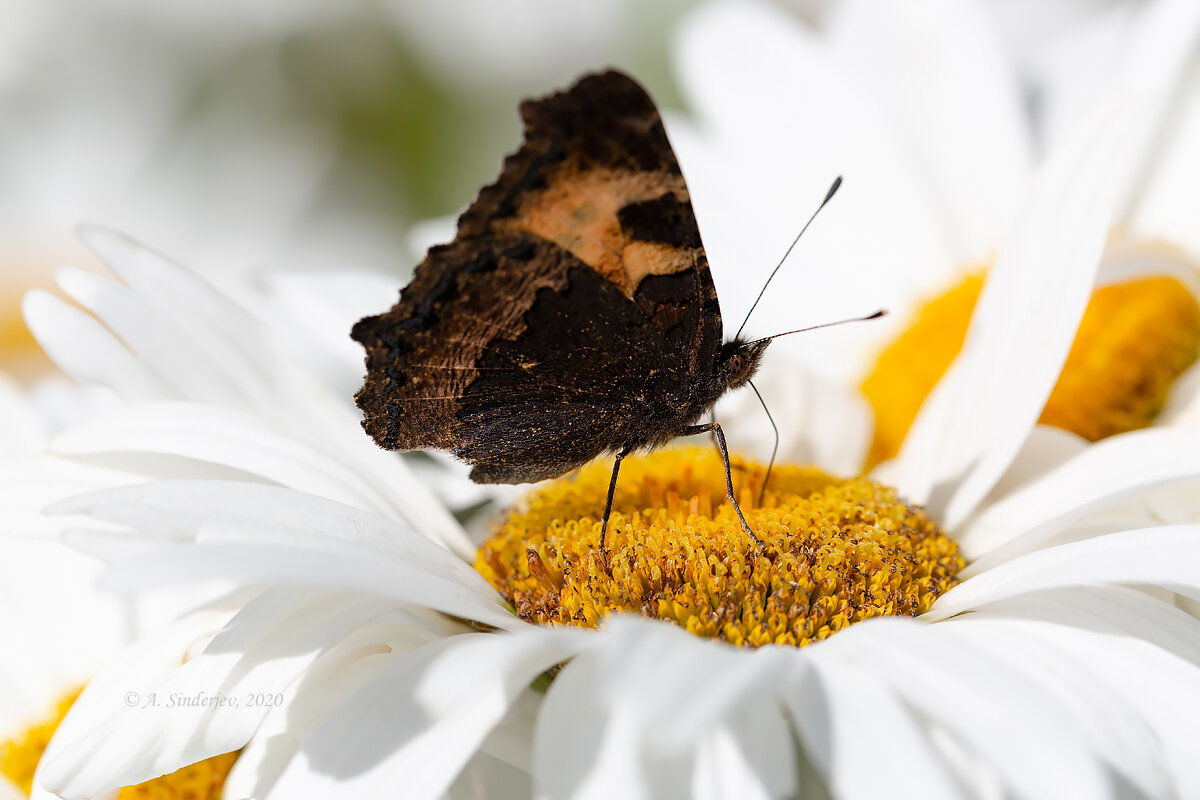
[237,365]
[778,117]
[939,67]
[978,416]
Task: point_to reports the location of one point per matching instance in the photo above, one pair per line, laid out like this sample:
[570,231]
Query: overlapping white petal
[260,534]
[1023,325]
[418,722]
[206,706]
[166,335]
[120,685]
[632,718]
[1098,476]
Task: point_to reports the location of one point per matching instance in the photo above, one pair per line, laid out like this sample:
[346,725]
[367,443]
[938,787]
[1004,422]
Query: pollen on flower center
[204,780]
[837,551]
[1135,339]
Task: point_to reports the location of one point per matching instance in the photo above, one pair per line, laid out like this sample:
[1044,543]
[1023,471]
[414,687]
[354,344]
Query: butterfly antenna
[880,313]
[774,450]
[828,196]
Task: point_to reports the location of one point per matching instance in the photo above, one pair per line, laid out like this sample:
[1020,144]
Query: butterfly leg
[717,432]
[612,488]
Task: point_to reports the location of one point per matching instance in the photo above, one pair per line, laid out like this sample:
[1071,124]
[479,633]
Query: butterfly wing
[597,176]
[514,355]
[574,313]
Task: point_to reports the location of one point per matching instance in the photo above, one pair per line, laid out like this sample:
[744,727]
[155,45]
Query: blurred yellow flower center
[837,551]
[1136,338]
[19,759]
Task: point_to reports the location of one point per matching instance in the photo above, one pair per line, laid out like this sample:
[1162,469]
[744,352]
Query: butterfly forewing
[573,314]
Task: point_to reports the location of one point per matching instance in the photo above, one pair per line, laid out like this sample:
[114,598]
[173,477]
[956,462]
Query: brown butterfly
[572,315]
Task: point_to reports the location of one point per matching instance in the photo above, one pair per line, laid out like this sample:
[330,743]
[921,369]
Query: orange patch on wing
[655,258]
[578,212]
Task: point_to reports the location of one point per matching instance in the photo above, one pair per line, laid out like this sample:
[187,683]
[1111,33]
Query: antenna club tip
[883,312]
[837,184]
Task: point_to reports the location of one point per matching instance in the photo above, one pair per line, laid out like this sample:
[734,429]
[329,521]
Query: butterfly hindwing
[523,394]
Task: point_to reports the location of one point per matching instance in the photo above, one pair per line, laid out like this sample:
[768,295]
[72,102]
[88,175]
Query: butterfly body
[573,314]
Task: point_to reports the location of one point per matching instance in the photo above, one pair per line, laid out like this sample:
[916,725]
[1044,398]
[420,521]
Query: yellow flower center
[1135,339]
[203,780]
[19,759]
[908,369]
[836,551]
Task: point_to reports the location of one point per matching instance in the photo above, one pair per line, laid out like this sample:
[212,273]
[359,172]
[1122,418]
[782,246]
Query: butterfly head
[739,360]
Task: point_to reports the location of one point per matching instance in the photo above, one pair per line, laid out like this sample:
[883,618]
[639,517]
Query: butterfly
[572,315]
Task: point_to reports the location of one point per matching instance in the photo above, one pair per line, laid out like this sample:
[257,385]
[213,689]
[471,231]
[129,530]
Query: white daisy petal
[1170,202]
[1163,556]
[840,713]
[263,553]
[232,512]
[157,337]
[1107,633]
[492,778]
[55,645]
[317,308]
[1046,449]
[1021,735]
[120,685]
[22,431]
[336,674]
[286,565]
[420,720]
[59,328]
[194,304]
[975,421]
[201,709]
[1100,475]
[748,70]
[1117,611]
[27,488]
[222,436]
[627,719]
[210,348]
[1118,732]
[256,446]
[1159,48]
[938,66]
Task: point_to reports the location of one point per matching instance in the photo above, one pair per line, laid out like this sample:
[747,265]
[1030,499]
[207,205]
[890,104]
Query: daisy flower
[1040,665]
